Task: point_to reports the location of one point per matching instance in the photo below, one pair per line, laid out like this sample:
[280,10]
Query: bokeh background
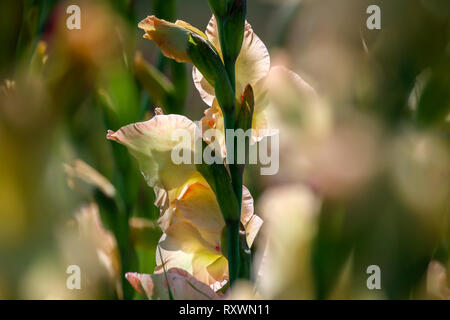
[364,168]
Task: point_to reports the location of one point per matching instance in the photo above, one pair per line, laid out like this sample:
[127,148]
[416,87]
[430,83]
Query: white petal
[252,64]
[152,143]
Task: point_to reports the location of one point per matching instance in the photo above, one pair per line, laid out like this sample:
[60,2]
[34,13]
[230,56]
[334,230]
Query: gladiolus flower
[193,225]
[252,67]
[152,142]
[176,284]
[184,43]
[192,220]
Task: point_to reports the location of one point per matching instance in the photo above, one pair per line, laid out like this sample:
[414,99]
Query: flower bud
[233,29]
[172,38]
[184,43]
[219,7]
[245,115]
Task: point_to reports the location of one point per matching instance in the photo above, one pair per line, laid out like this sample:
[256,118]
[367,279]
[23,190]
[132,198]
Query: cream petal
[172,256]
[195,203]
[183,286]
[161,198]
[206,90]
[267,95]
[247,206]
[198,204]
[213,120]
[189,27]
[203,265]
[165,219]
[251,222]
[184,247]
[193,227]
[219,269]
[252,228]
[152,143]
[187,253]
[184,236]
[213,34]
[261,125]
[252,64]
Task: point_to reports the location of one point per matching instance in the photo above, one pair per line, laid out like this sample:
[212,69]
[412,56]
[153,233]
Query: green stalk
[245,269]
[232,225]
[230,63]
[237,173]
[235,169]
[231,16]
[233,245]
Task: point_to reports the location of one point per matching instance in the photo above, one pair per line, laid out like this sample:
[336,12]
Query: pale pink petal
[179,283]
[252,64]
[152,143]
[251,222]
[172,38]
[142,283]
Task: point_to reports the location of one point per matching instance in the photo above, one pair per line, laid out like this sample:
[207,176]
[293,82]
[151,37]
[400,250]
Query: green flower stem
[232,226]
[230,16]
[233,245]
[237,173]
[245,261]
[229,62]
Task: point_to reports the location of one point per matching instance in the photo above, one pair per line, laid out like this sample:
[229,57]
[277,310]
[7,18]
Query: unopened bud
[245,114]
[233,29]
[219,7]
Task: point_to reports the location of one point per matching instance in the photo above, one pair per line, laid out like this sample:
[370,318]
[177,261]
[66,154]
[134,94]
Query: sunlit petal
[252,64]
[179,283]
[172,38]
[152,143]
